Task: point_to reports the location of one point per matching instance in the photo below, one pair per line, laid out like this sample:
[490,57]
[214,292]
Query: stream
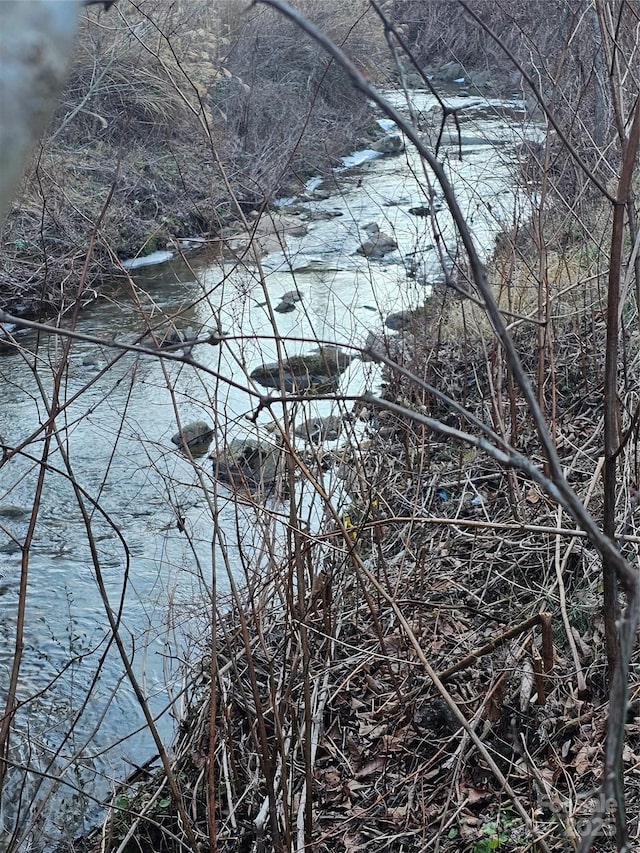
[79,727]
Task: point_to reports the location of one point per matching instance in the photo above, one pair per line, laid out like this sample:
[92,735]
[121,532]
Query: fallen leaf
[373,766]
[476,795]
[584,759]
[397,813]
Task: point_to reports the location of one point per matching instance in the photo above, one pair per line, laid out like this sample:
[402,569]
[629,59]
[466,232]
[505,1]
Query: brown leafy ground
[443,564]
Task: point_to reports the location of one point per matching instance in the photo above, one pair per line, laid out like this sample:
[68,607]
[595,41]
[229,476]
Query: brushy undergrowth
[316,720]
[171,111]
[440,561]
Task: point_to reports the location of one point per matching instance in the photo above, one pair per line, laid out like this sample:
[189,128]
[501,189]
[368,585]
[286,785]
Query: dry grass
[552,272]
[161,99]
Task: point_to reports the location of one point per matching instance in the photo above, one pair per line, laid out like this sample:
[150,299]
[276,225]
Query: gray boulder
[246,463]
[450,72]
[375,344]
[194,437]
[399,321]
[389,144]
[171,338]
[379,244]
[403,321]
[315,374]
[322,215]
[292,296]
[288,301]
[320,429]
[16,513]
[426,209]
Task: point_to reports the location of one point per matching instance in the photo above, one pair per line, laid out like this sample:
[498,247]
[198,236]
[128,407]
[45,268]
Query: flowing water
[148,507]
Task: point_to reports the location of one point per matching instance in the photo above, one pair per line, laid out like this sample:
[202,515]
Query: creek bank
[459,594]
[454,75]
[166,201]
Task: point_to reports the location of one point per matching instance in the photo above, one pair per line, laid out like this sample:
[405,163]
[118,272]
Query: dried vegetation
[427,671]
[448,589]
[168,108]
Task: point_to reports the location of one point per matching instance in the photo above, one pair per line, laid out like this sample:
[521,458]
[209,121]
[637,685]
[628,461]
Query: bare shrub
[159,96]
[286,107]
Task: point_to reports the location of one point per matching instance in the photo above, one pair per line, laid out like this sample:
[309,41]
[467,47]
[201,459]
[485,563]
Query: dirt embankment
[173,119]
